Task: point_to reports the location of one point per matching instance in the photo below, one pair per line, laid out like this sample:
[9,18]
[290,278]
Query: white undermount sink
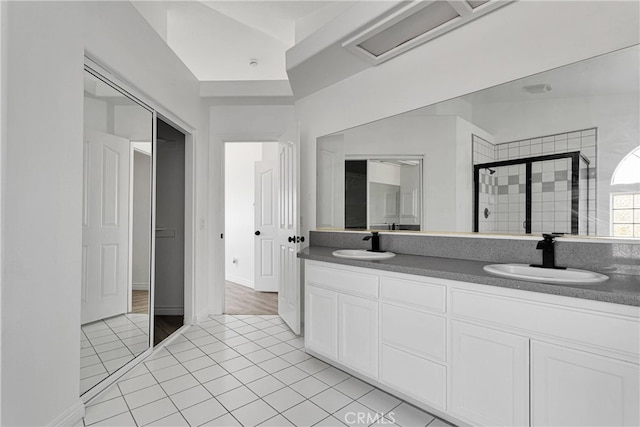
[362,254]
[570,276]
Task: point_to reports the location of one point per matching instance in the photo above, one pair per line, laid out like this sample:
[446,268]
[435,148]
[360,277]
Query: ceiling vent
[415,24]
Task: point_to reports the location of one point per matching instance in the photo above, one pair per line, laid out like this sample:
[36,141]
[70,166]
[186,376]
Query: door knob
[257,233]
[291,239]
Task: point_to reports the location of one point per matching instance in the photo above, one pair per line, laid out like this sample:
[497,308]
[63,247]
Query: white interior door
[289,298]
[265,218]
[105,226]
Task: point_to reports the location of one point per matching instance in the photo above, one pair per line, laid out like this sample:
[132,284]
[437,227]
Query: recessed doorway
[251,273]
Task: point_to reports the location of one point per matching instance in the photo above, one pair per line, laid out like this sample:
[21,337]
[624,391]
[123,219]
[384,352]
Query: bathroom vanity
[475,349]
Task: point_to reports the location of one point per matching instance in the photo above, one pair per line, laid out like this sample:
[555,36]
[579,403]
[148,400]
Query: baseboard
[169,311]
[240,281]
[71,417]
[140,286]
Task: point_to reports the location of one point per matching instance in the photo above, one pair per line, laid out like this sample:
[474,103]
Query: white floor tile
[110,393]
[190,397]
[210,373]
[174,420]
[226,420]
[305,414]
[332,376]
[236,398]
[223,355]
[267,341]
[204,411]
[199,363]
[254,413]
[104,410]
[256,335]
[331,422]
[153,411]
[176,385]
[115,364]
[437,422]
[246,348]
[406,415]
[284,399]
[123,420]
[277,421]
[379,401]
[161,363]
[236,364]
[185,356]
[290,375]
[356,414]
[265,385]
[309,386]
[171,372]
[90,371]
[331,400]
[204,340]
[136,383]
[144,396]
[196,366]
[214,347]
[222,385]
[250,374]
[295,356]
[312,366]
[354,388]
[260,355]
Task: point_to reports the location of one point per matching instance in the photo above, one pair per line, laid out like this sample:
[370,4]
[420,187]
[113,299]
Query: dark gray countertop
[619,289]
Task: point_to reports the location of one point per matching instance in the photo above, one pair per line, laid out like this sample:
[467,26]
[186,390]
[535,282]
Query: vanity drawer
[414,376]
[416,331]
[417,293]
[579,325]
[348,280]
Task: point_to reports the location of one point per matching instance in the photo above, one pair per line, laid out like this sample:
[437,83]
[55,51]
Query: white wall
[239,195]
[518,40]
[42,178]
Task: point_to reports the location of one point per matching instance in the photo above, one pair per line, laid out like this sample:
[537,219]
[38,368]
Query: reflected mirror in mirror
[116,230]
[557,151]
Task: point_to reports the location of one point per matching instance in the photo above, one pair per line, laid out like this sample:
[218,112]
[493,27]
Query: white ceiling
[217,39]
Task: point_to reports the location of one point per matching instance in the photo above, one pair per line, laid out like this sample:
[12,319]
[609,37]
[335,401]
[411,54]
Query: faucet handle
[551,236]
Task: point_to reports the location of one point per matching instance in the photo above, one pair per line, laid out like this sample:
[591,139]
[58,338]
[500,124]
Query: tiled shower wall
[551,184]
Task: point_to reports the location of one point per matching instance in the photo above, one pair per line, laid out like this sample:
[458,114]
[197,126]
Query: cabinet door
[571,387]
[489,376]
[358,334]
[321,330]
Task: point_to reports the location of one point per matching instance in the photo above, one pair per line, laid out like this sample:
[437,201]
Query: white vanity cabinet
[572,387]
[477,354]
[489,376]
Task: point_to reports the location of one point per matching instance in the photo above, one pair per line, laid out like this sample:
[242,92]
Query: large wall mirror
[557,151]
[116,230]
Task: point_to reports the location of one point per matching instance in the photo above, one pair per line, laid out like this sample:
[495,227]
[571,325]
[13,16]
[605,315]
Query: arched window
[625,205]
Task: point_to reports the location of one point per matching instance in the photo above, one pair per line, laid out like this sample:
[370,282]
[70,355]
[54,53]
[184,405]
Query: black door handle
[257,233]
[291,239]
[299,239]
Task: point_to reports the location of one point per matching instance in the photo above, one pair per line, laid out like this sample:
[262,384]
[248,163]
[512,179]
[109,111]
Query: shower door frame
[575,157]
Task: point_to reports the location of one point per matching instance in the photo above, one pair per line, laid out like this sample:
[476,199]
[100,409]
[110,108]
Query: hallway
[243,300]
[245,371]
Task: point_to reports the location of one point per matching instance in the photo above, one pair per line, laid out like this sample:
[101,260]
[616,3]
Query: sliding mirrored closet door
[116,229]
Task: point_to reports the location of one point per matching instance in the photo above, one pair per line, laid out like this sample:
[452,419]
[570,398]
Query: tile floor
[109,344]
[245,370]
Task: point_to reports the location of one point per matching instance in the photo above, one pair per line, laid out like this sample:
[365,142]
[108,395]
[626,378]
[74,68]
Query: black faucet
[375,241]
[548,251]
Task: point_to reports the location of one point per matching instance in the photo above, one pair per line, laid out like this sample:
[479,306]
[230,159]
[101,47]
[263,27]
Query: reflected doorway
[169,290]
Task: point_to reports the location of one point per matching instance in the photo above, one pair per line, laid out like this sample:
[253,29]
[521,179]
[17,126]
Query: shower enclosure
[548,193]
